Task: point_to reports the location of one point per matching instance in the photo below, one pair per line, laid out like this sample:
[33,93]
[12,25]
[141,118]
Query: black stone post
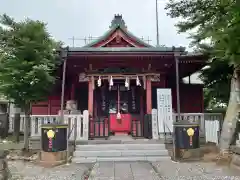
[3,125]
[147,126]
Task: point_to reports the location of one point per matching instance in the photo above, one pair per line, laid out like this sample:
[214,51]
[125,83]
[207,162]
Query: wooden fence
[210,124]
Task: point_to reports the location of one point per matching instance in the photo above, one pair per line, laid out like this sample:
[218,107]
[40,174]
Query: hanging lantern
[99,82]
[138,83]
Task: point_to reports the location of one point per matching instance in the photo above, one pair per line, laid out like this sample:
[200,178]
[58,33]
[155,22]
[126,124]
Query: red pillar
[90,98]
[149,95]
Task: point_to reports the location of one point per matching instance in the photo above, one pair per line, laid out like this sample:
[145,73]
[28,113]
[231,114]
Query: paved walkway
[124,171]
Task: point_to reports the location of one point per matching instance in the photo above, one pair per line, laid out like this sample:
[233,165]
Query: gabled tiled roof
[118,23]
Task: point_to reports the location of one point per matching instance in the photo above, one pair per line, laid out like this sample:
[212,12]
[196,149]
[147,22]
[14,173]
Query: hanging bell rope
[118,115]
[118,104]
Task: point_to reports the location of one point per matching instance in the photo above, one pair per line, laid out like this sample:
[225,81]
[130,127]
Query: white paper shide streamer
[99,82]
[111,81]
[138,83]
[127,83]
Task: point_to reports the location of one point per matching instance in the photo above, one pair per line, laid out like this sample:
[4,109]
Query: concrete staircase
[125,151]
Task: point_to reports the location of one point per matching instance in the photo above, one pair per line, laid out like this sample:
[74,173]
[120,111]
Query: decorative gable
[118,36]
[119,39]
[118,42]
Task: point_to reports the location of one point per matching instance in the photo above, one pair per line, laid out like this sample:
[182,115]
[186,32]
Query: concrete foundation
[189,154]
[50,159]
[235,158]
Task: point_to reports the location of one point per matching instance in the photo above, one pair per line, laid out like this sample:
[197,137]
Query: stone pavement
[124,171]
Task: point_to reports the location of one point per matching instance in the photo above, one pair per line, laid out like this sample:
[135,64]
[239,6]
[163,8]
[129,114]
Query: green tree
[217,79]
[217,22]
[27,63]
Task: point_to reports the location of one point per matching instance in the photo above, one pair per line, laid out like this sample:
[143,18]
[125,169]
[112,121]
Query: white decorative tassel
[118,115]
[138,83]
[99,82]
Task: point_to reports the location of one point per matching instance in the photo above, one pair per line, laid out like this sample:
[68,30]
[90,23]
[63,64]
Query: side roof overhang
[123,50]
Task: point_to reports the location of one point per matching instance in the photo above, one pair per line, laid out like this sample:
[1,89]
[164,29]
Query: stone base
[235,162]
[189,154]
[224,158]
[51,159]
[4,171]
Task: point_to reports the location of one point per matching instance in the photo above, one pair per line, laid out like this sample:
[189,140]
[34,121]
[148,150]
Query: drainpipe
[64,55]
[177,84]
[157,25]
[176,56]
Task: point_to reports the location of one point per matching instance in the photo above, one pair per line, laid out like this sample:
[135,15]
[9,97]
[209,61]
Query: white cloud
[83,18]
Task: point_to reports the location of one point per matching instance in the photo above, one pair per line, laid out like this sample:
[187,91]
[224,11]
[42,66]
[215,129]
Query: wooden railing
[207,121]
[78,124]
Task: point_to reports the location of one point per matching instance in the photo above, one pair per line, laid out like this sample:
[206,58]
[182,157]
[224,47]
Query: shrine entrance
[121,103]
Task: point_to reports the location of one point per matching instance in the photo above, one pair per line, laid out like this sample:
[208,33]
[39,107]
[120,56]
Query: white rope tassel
[118,115]
[138,83]
[99,82]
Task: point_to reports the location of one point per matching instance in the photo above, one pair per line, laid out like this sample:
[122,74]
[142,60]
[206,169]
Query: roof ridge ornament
[118,21]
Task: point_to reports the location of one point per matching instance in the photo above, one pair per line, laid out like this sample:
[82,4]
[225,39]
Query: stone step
[119,153]
[135,141]
[99,147]
[121,159]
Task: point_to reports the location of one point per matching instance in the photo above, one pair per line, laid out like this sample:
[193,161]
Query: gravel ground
[28,171]
[124,171]
[195,170]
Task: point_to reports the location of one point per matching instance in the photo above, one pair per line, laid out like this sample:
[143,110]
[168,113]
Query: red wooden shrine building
[115,78]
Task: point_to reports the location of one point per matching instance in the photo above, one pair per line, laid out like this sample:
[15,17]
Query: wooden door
[120,103]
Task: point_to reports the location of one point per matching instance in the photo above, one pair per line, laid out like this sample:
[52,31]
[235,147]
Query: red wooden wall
[191,98]
[51,106]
